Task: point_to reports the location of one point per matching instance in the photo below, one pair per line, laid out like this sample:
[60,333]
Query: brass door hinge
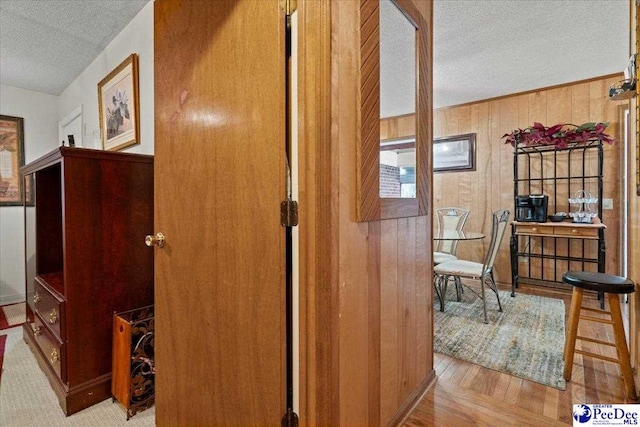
[289,213]
[290,6]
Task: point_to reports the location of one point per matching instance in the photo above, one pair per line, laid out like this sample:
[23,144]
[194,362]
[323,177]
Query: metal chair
[473,270]
[449,219]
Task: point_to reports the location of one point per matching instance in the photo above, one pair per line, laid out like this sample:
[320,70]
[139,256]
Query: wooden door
[219,180]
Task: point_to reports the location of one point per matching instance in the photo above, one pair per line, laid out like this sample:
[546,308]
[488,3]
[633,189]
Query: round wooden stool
[611,286]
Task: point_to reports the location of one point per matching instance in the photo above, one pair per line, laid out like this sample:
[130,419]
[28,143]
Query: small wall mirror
[393,156]
[397,100]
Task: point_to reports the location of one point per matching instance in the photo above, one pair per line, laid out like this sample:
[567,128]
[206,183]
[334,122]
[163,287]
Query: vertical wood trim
[633,225]
[373,273]
[319,375]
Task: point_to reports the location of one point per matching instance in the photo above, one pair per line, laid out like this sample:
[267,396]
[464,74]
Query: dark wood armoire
[86,216]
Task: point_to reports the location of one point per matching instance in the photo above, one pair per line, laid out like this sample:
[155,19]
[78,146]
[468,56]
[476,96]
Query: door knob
[157,240]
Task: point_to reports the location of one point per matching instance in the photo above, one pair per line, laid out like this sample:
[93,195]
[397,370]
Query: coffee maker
[532,208]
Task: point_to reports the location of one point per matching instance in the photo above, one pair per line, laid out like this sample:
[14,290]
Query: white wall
[39,111]
[137,37]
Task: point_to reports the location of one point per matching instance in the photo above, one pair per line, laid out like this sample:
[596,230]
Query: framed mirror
[394,160]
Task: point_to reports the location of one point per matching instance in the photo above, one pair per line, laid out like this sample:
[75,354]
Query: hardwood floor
[468,394]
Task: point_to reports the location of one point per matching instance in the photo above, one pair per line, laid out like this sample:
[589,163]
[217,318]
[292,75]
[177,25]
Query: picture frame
[11,159]
[118,106]
[455,153]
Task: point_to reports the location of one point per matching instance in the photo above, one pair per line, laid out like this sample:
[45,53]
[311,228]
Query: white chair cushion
[440,257]
[459,268]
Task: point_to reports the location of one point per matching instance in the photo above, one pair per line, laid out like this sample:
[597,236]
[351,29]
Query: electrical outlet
[607,203]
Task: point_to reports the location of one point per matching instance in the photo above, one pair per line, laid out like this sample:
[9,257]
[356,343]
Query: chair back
[450,219]
[500,220]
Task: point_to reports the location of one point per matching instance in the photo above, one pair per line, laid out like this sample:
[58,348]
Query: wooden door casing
[219,157]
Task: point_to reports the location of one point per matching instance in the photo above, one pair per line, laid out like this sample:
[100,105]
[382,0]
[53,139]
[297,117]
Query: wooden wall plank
[389,319]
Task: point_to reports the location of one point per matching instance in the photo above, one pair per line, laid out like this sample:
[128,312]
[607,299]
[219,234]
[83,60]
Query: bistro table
[457,235]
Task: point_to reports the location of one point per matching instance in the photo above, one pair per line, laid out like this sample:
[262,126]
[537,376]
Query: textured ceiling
[46,44]
[482,49]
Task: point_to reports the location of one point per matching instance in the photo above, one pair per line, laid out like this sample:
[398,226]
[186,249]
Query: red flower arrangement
[560,135]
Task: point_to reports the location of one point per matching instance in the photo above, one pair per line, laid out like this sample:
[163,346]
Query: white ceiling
[46,44]
[482,49]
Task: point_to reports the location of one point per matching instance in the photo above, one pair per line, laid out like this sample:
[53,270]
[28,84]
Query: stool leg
[572,332]
[621,346]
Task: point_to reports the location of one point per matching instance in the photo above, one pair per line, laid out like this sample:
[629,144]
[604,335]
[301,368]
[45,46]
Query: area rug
[525,340]
[12,315]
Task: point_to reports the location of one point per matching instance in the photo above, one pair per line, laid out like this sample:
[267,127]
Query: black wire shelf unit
[559,173]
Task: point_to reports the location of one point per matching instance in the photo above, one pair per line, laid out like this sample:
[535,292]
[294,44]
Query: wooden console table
[524,234]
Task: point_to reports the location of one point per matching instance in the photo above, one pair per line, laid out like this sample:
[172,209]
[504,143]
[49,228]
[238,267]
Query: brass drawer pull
[36,330]
[574,231]
[36,297]
[53,316]
[534,229]
[54,357]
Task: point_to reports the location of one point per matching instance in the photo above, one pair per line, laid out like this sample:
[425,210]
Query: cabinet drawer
[581,232]
[534,229]
[52,349]
[49,307]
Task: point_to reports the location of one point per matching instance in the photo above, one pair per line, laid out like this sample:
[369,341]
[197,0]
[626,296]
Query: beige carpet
[26,398]
[525,340]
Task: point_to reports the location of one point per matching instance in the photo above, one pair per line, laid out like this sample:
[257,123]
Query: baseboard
[412,401]
[9,299]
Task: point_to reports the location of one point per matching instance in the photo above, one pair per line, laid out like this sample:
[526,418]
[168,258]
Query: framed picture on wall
[118,106]
[11,159]
[455,153]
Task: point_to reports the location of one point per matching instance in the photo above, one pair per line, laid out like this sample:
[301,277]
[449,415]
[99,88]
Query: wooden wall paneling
[537,107]
[580,103]
[559,105]
[572,103]
[398,127]
[465,181]
[486,177]
[474,221]
[503,195]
